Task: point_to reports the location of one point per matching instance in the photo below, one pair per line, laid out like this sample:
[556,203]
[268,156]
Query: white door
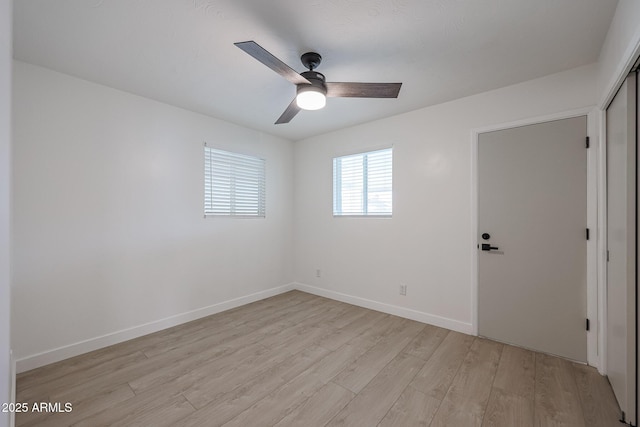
[532,216]
[621,241]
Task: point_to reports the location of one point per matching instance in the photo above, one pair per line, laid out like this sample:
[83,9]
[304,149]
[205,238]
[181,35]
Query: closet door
[621,241]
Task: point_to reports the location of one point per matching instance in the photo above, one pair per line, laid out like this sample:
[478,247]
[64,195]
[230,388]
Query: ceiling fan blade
[363,90]
[262,55]
[289,113]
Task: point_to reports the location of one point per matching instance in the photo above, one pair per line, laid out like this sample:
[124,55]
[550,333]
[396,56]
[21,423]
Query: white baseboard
[51,356]
[432,319]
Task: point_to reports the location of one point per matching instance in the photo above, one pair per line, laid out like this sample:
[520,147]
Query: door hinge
[587,234]
[587,142]
[607,255]
[587,325]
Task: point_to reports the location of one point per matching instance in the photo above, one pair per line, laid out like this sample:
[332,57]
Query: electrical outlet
[403,289]
[318,273]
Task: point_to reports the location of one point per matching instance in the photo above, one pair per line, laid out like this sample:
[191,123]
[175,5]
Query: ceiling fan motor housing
[317,81]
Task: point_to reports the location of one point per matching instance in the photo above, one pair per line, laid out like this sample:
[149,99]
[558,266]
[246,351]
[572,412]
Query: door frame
[596,245]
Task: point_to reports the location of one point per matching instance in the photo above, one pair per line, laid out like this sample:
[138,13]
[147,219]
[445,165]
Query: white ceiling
[181,51]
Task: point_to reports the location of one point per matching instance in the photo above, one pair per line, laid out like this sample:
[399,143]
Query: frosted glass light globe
[311,100]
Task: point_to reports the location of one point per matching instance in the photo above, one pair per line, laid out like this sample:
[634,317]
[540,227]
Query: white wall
[428,244]
[5,201]
[109,231]
[619,50]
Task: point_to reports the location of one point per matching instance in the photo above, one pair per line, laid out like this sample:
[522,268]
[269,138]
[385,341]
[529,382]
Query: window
[234,184]
[362,184]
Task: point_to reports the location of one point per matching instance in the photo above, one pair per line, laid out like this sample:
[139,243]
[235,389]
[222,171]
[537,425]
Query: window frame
[234,161]
[337,183]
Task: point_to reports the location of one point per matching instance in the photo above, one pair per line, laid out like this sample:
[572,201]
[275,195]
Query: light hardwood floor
[301,360]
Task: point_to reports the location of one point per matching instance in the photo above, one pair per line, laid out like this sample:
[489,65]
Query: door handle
[488,247]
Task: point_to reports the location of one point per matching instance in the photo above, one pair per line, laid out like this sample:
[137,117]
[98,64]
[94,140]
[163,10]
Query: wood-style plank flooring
[301,360]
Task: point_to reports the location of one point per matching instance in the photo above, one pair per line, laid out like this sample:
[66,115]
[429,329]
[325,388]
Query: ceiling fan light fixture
[311,86]
[311,97]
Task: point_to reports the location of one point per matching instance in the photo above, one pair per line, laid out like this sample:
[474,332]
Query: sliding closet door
[621,241]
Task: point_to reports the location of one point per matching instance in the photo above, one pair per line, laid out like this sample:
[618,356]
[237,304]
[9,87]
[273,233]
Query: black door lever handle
[488,247]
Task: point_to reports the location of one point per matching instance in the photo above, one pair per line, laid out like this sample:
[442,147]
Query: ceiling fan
[311,86]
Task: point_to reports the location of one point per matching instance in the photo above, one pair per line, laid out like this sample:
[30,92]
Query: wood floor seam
[492,390]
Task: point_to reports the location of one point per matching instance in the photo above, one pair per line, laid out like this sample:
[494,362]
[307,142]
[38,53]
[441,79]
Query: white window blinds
[234,184]
[362,184]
